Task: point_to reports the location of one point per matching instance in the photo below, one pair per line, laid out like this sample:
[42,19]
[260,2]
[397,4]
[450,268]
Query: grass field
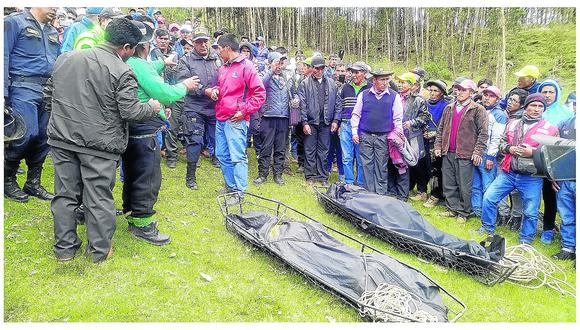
[147,283]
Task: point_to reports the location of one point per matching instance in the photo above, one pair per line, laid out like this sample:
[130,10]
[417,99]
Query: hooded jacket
[497,121]
[556,112]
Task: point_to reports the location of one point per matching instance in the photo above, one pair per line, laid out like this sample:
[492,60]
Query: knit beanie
[536,97]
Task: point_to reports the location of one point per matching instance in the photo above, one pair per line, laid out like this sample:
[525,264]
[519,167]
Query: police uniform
[30,51]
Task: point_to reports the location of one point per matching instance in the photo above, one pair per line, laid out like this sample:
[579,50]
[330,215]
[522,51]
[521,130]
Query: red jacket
[240,88]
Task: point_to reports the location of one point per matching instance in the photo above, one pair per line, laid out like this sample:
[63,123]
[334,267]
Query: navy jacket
[309,104]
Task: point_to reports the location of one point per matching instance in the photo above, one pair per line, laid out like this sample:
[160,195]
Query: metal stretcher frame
[486,271]
[253,202]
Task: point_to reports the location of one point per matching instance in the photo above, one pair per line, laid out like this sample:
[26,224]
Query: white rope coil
[536,270]
[392,299]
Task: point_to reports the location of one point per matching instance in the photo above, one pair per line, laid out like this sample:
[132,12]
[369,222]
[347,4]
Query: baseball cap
[381,72]
[419,71]
[110,12]
[358,66]
[275,56]
[200,33]
[494,90]
[186,28]
[94,10]
[146,32]
[260,38]
[317,61]
[186,41]
[528,71]
[174,27]
[408,76]
[467,84]
[308,61]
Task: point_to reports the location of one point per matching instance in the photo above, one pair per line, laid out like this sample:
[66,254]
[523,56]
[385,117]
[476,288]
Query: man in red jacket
[239,93]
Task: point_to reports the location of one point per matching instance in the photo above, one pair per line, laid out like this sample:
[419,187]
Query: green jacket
[152,86]
[90,38]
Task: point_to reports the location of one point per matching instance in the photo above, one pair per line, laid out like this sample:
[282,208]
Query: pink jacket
[240,88]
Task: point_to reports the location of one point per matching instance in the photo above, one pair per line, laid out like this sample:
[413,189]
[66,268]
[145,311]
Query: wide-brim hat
[146,32]
[439,84]
[14,125]
[317,61]
[184,42]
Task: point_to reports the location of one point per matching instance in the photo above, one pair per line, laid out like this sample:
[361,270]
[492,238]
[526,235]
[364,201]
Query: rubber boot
[11,188]
[516,223]
[190,176]
[32,185]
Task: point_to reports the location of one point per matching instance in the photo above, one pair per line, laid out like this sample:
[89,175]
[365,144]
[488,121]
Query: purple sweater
[454,127]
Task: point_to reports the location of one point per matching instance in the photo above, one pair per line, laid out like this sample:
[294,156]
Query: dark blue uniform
[29,55]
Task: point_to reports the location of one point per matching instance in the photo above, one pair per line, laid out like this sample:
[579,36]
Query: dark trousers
[437,177]
[299,138]
[457,183]
[550,206]
[81,178]
[254,132]
[32,147]
[398,186]
[421,173]
[335,152]
[194,126]
[374,155]
[142,169]
[316,151]
[273,135]
[171,135]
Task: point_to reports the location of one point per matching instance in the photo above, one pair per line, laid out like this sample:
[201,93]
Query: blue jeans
[530,189]
[482,178]
[566,201]
[230,150]
[350,150]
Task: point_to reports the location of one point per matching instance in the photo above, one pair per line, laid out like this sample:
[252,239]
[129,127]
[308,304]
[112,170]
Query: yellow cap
[408,76]
[528,71]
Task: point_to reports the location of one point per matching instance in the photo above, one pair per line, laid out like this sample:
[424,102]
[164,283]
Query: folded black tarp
[400,217]
[307,247]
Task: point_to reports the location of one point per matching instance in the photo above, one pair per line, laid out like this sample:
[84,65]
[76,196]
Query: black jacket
[91,105]
[206,69]
[309,104]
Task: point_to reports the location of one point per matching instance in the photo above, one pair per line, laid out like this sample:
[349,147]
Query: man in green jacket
[142,159]
[96,35]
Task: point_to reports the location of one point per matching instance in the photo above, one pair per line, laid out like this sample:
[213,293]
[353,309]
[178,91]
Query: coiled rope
[395,300]
[536,270]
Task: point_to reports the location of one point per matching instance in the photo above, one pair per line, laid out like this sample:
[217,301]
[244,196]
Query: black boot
[502,220]
[149,234]
[215,162]
[32,185]
[516,223]
[11,188]
[190,176]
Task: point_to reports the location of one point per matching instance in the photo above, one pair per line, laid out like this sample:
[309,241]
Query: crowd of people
[142,90]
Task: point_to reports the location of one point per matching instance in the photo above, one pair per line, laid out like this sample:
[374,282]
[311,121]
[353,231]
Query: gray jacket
[278,95]
[309,104]
[206,69]
[90,106]
[417,112]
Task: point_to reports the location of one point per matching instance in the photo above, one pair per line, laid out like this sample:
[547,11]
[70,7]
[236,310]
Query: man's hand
[333,127]
[526,151]
[306,129]
[238,116]
[169,61]
[191,83]
[156,105]
[437,153]
[477,160]
[407,124]
[488,164]
[355,139]
[555,186]
[215,93]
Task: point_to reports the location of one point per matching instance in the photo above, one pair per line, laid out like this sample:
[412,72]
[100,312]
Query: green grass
[148,283]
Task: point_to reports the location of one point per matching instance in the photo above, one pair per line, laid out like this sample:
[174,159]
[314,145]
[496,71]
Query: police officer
[31,46]
[199,108]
